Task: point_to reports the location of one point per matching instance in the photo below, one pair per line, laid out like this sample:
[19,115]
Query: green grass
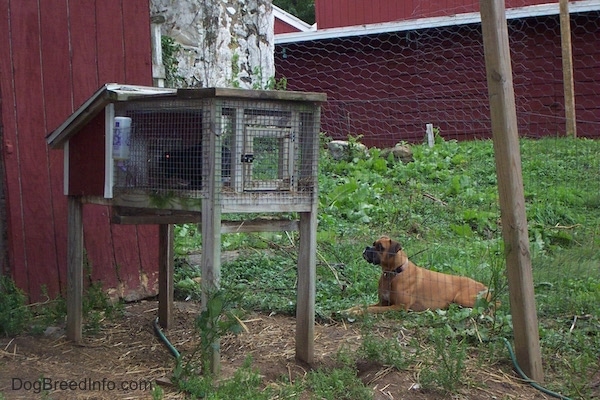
[443,208]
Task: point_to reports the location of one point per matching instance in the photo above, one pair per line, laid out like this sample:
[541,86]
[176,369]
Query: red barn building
[54,54]
[391,67]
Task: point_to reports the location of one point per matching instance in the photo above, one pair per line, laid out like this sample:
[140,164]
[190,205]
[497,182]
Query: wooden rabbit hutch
[165,156]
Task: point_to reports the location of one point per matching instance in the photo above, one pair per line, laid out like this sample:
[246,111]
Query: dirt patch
[125,358]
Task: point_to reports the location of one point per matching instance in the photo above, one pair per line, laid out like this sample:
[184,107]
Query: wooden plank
[75,269]
[15,235]
[148,217]
[307,253]
[139,71]
[251,94]
[112,64]
[230,203]
[567,64]
[305,303]
[259,225]
[99,248]
[211,222]
[86,75]
[149,248]
[84,68]
[110,41]
[510,187]
[165,276]
[135,248]
[38,230]
[86,159]
[56,62]
[137,42]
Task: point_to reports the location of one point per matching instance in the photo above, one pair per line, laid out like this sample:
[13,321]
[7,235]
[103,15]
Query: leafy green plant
[337,384]
[186,279]
[445,370]
[246,384]
[14,314]
[187,238]
[386,350]
[170,49]
[157,393]
[217,319]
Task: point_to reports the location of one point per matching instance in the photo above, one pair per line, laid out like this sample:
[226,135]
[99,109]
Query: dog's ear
[394,247]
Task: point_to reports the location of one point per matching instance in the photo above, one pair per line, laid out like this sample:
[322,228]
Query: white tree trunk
[224,43]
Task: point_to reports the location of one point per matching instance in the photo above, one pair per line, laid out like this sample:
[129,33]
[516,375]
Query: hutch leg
[74,268]
[211,266]
[305,304]
[165,275]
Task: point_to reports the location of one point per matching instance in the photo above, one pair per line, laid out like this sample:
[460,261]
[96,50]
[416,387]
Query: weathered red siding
[338,13]
[282,27]
[53,55]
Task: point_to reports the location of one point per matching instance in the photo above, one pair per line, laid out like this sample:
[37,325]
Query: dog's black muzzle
[371,255]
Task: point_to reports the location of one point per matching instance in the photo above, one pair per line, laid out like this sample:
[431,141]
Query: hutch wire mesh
[257,152]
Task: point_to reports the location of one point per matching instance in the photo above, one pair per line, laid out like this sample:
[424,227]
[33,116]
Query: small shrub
[446,368]
[14,314]
[337,384]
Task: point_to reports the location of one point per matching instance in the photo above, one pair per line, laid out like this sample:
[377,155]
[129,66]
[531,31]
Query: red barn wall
[338,13]
[54,54]
[283,27]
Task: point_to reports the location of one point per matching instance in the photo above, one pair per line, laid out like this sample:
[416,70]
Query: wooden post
[211,220]
[165,275]
[430,135]
[567,64]
[74,268]
[305,302]
[510,187]
[158,69]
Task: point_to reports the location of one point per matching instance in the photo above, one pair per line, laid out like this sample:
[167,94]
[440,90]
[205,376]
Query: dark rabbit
[186,165]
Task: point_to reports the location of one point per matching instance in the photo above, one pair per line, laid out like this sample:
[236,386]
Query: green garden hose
[164,339]
[526,378]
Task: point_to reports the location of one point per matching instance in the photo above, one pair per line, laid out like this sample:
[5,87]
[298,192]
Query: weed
[187,238]
[157,393]
[217,319]
[385,349]
[337,384]
[446,369]
[50,312]
[169,53]
[245,384]
[186,280]
[97,306]
[14,314]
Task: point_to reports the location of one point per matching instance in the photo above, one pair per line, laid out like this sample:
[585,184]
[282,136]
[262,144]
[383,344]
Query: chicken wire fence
[388,86]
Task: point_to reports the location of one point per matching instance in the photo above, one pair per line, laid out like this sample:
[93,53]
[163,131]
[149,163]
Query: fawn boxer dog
[405,286]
